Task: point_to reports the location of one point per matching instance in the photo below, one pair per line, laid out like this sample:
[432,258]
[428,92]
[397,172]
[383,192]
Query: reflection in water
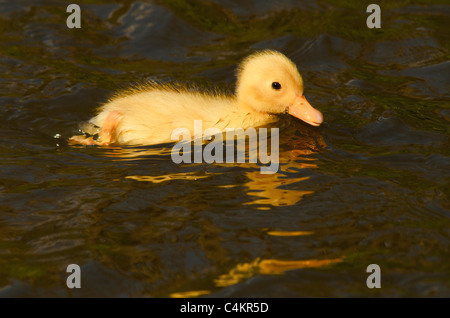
[190,294]
[168,177]
[137,153]
[268,267]
[267,189]
[258,267]
[289,233]
[271,189]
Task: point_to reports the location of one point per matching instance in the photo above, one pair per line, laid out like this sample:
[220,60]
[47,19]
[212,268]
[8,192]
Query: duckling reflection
[272,190]
[265,190]
[125,153]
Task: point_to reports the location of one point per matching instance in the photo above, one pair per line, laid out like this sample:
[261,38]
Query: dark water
[369,186]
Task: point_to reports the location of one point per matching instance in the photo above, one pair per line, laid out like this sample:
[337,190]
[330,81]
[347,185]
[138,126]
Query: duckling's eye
[276,85]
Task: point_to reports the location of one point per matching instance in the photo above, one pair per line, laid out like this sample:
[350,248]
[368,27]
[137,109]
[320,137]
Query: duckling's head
[269,82]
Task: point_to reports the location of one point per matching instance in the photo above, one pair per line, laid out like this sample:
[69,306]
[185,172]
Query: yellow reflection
[190,294]
[270,189]
[264,190]
[268,267]
[168,177]
[274,266]
[237,274]
[289,233]
[267,188]
[137,152]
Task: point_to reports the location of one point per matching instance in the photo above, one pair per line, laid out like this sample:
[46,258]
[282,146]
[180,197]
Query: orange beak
[303,110]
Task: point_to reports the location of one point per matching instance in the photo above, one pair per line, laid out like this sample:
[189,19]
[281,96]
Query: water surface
[369,186]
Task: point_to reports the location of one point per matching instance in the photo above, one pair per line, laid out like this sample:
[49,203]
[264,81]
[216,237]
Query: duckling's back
[150,116]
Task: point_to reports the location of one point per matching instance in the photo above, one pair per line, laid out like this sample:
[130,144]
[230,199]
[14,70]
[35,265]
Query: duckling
[268,84]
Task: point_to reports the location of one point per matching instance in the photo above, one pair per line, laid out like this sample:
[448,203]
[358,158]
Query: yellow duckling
[268,83]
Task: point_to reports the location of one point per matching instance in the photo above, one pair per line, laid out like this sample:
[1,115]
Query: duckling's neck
[252,117]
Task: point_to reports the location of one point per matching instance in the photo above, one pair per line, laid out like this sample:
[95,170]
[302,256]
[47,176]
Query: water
[369,186]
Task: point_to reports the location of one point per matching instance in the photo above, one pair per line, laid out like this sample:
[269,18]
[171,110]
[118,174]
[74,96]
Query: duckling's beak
[303,110]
